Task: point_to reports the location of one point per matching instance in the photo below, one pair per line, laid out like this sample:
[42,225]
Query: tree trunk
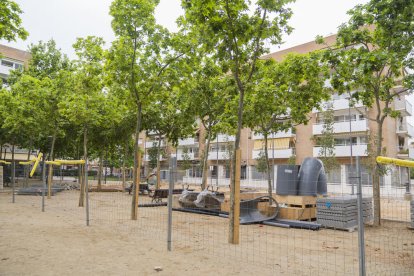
[135,170]
[85,157]
[100,171]
[26,169]
[376,190]
[123,168]
[13,170]
[50,175]
[234,203]
[158,162]
[269,179]
[205,160]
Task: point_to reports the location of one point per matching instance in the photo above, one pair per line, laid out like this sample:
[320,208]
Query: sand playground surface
[58,242]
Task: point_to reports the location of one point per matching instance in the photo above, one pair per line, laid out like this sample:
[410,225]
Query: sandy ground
[57,242]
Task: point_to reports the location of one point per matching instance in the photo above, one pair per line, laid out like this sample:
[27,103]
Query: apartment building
[12,59]
[351,132]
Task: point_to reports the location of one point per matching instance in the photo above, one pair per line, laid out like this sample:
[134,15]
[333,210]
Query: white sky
[65,20]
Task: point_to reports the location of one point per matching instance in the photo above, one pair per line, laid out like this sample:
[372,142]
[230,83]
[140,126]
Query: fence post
[170,195]
[86,192]
[13,179]
[43,182]
[361,240]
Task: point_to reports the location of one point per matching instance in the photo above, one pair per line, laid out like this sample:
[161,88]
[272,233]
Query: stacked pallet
[295,207]
[412,213]
[342,212]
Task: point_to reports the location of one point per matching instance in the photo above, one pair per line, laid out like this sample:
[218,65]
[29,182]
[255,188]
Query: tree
[85,106]
[208,96]
[373,56]
[139,41]
[235,37]
[10,27]
[284,95]
[326,141]
[186,164]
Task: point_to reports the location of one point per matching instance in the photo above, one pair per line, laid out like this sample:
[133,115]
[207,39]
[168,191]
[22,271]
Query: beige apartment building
[351,132]
[12,59]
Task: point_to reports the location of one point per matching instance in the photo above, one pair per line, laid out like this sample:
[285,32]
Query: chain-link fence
[296,232]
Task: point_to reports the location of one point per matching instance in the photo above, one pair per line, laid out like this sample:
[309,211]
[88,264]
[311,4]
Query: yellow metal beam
[27,162]
[4,162]
[39,156]
[53,163]
[71,162]
[395,161]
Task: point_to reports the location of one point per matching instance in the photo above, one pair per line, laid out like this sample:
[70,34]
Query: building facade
[351,130]
[12,59]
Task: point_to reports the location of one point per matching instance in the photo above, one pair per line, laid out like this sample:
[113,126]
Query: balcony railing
[345,151]
[276,154]
[339,105]
[403,106]
[187,142]
[281,134]
[343,127]
[150,144]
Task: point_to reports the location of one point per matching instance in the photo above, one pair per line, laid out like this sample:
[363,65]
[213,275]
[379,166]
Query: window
[7,63]
[18,66]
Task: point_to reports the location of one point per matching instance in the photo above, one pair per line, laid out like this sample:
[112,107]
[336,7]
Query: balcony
[147,159]
[5,70]
[221,155]
[223,138]
[281,134]
[180,156]
[402,152]
[404,128]
[343,127]
[187,142]
[345,151]
[403,106]
[277,153]
[338,105]
[149,144]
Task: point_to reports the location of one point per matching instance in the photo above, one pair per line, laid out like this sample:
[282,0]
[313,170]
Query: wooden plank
[138,178]
[296,200]
[234,220]
[247,195]
[297,213]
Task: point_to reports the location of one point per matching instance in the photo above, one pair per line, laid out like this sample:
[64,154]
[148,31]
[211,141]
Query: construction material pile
[342,212]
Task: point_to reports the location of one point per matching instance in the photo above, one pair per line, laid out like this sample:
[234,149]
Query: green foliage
[373,55]
[326,140]
[10,26]
[262,162]
[153,155]
[186,163]
[292,160]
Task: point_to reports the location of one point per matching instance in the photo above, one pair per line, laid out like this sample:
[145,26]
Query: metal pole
[361,241]
[273,159]
[44,182]
[87,192]
[13,179]
[217,173]
[170,195]
[350,143]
